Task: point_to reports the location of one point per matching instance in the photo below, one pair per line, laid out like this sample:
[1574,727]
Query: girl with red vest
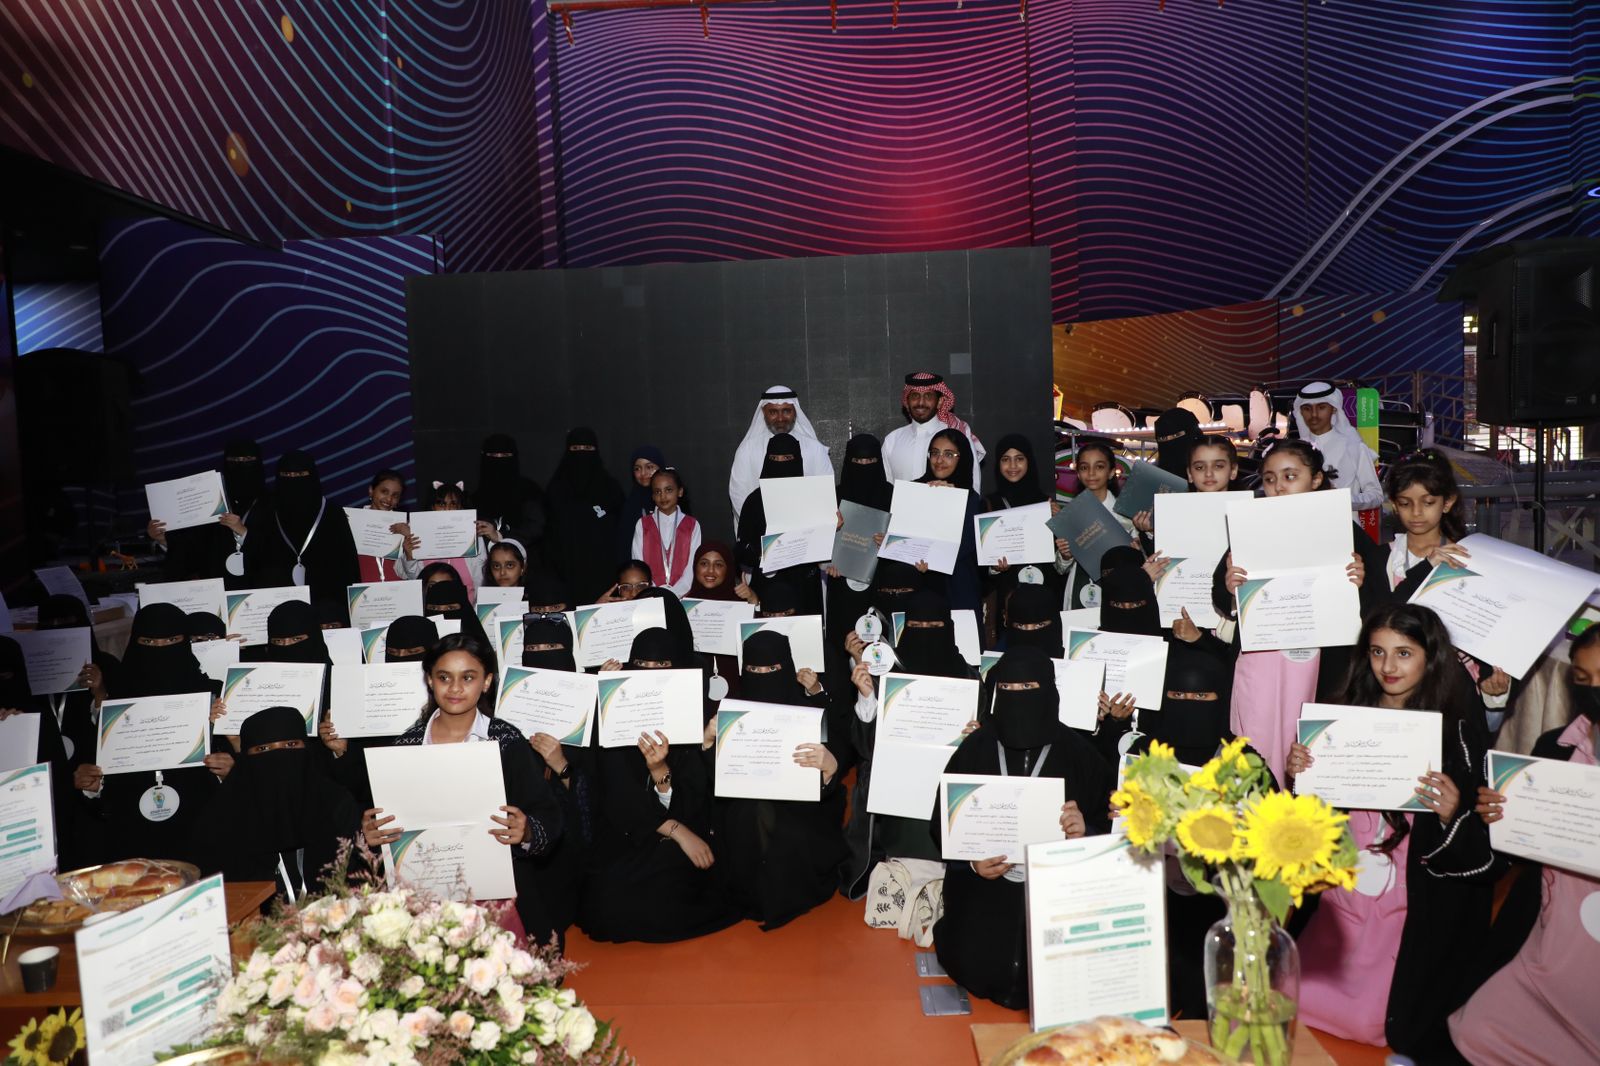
[666,538]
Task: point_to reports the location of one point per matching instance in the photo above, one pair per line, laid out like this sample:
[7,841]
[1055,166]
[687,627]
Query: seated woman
[783,856]
[652,873]
[77,711]
[461,693]
[278,815]
[982,939]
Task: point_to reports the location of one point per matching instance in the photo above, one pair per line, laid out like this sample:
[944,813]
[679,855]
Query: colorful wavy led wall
[57,315]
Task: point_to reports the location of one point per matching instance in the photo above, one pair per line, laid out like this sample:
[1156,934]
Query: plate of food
[109,888]
[1108,1040]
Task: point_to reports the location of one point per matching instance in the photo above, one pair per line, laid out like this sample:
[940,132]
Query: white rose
[521,964]
[384,1024]
[347,997]
[321,1018]
[457,937]
[258,965]
[290,953]
[419,1023]
[548,1014]
[388,927]
[485,1037]
[337,914]
[576,1030]
[566,997]
[307,992]
[480,976]
[412,986]
[513,1015]
[255,991]
[339,1055]
[451,962]
[461,1025]
[508,991]
[282,984]
[367,967]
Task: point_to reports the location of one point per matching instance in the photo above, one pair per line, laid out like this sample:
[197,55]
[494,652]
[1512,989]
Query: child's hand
[1449,555]
[1498,683]
[1235,576]
[1184,628]
[1300,760]
[1357,569]
[1144,522]
[1156,565]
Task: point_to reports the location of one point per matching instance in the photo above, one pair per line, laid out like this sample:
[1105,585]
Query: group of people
[632,843]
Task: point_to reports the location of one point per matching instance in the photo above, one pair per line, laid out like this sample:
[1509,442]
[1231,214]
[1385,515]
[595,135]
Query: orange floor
[823,989]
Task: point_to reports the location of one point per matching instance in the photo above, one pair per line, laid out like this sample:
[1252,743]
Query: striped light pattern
[57,315]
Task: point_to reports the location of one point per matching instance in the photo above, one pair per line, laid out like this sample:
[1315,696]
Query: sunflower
[26,1045]
[1318,880]
[1290,835]
[65,1038]
[1158,750]
[1205,778]
[1208,833]
[1233,752]
[1141,814]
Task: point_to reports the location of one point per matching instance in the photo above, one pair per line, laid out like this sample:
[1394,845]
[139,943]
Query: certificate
[1505,602]
[802,514]
[29,844]
[444,534]
[438,784]
[1079,683]
[1368,758]
[55,657]
[1135,665]
[204,595]
[855,549]
[914,709]
[805,638]
[248,609]
[779,551]
[376,700]
[452,862]
[1096,918]
[925,523]
[498,594]
[606,630]
[257,686]
[1294,551]
[1147,483]
[151,976]
[381,602]
[1091,530]
[904,781]
[634,702]
[968,643]
[1550,813]
[716,624]
[755,751]
[370,529]
[19,744]
[558,702]
[1080,618]
[344,646]
[1019,535]
[154,733]
[490,612]
[982,816]
[196,500]
[1192,532]
[215,656]
[62,581]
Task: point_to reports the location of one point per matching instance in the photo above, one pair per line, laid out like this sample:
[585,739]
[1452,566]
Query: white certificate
[19,743]
[796,547]
[1135,665]
[925,523]
[1080,618]
[215,656]
[452,862]
[151,976]
[1367,758]
[55,657]
[982,816]
[257,686]
[498,594]
[558,702]
[376,700]
[444,534]
[606,630]
[1079,683]
[370,529]
[805,638]
[1019,535]
[633,702]
[154,733]
[1192,532]
[344,646]
[381,602]
[716,624]
[491,612]
[904,781]
[1505,602]
[914,709]
[1096,918]
[968,643]
[204,595]
[248,609]
[29,844]
[755,751]
[438,784]
[1294,551]
[196,500]
[63,581]
[802,514]
[1551,810]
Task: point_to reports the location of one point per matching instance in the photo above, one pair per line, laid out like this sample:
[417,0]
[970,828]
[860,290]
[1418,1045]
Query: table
[244,900]
[990,1040]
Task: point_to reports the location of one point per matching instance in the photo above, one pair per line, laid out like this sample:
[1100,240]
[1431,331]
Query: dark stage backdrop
[677,355]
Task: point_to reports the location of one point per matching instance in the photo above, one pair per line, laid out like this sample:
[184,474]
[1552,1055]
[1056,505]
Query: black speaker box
[1538,330]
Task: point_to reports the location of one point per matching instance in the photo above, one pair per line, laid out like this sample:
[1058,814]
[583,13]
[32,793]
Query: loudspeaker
[1538,330]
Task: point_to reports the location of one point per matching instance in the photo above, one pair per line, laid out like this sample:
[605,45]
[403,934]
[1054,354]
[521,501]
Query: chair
[1233,415]
[1197,405]
[1260,413]
[1109,414]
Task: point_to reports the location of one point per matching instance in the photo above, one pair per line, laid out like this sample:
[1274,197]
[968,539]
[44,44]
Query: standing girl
[1096,467]
[1388,961]
[666,538]
[385,493]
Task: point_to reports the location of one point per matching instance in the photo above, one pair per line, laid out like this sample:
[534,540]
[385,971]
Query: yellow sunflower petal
[1287,834]
[1209,833]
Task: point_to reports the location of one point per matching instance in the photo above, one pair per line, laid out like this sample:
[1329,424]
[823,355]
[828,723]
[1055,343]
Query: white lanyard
[300,554]
[669,544]
[1044,754]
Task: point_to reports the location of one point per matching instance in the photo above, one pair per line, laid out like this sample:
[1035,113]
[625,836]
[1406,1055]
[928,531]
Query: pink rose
[321,1018]
[347,996]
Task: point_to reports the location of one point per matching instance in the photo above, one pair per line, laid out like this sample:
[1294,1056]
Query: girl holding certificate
[717,578]
[1389,961]
[982,939]
[653,875]
[461,691]
[666,538]
[1539,1004]
[1018,483]
[1096,467]
[783,856]
[385,493]
[951,465]
[301,540]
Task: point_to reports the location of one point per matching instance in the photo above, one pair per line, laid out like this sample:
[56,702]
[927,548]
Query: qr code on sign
[1054,937]
[113,1024]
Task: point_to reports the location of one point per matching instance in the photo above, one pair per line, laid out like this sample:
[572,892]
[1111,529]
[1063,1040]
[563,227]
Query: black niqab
[779,446]
[537,631]
[767,648]
[1034,606]
[405,633]
[244,478]
[654,645]
[1177,431]
[164,670]
[929,649]
[861,479]
[294,618]
[296,499]
[1024,719]
[1128,602]
[501,492]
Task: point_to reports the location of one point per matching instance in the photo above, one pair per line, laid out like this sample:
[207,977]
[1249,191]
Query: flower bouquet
[364,975]
[54,1040]
[1235,834]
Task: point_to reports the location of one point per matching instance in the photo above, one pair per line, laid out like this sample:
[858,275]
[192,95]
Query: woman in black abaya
[586,506]
[212,550]
[782,460]
[509,505]
[301,539]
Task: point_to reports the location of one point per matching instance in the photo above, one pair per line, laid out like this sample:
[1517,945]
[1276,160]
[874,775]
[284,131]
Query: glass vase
[1252,985]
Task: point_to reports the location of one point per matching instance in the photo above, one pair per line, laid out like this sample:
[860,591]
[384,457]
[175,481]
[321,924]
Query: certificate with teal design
[1551,811]
[1296,551]
[1369,758]
[1019,535]
[984,816]
[756,745]
[635,702]
[153,733]
[557,702]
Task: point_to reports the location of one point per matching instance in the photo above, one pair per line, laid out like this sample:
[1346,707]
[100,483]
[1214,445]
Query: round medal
[1089,596]
[879,658]
[298,574]
[869,627]
[159,803]
[857,586]
[717,688]
[1030,575]
[235,564]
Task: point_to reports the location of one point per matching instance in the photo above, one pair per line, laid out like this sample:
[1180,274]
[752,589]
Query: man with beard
[930,405]
[778,412]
